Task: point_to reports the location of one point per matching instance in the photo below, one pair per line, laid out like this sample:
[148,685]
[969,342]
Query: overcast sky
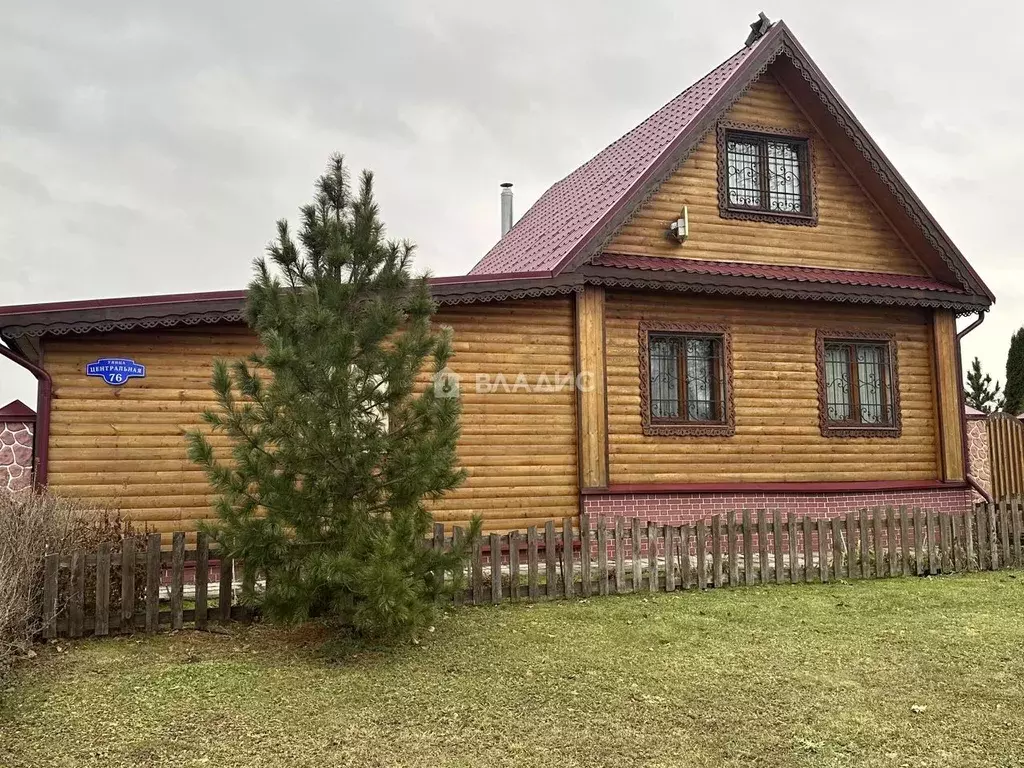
[148,147]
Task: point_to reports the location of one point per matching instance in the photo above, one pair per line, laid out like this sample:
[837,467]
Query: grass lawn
[908,672]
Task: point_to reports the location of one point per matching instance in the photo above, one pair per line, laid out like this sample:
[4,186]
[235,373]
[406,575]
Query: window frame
[831,428]
[726,427]
[808,180]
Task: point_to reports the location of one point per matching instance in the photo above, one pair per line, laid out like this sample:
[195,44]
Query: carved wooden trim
[831,429]
[726,428]
[809,219]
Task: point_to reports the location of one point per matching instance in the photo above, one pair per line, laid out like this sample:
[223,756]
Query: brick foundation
[688,508]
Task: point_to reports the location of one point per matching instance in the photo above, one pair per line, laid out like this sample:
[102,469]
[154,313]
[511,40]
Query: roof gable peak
[578,215]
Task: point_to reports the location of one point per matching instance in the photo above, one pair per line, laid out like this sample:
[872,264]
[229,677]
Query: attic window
[764,175]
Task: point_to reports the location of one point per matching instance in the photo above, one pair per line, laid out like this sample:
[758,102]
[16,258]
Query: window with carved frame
[858,384]
[765,174]
[685,387]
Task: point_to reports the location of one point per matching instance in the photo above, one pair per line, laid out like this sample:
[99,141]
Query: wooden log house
[757,308]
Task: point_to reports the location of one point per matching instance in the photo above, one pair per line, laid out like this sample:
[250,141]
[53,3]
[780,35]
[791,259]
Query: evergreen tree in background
[1013,394]
[333,449]
[979,392]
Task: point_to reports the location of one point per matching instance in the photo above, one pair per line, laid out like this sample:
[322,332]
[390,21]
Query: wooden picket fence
[580,557]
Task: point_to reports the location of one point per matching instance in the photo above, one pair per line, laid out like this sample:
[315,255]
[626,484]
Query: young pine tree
[333,449]
[1013,394]
[979,392]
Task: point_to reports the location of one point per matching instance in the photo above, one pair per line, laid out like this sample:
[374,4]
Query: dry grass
[909,672]
[32,525]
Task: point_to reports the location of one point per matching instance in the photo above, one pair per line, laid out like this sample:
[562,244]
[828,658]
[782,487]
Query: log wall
[774,381]
[852,232]
[124,447]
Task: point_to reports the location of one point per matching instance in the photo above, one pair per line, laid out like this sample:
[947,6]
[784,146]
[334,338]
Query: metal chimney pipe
[506,207]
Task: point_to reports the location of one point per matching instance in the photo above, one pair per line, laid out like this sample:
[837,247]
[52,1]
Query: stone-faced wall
[17,425]
[978,455]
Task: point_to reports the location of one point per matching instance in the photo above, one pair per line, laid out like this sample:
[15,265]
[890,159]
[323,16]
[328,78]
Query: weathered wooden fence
[1006,452]
[581,557]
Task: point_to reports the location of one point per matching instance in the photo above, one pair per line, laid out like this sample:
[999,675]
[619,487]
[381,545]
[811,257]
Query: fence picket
[837,549]
[568,566]
[602,555]
[762,545]
[459,572]
[1004,532]
[1015,529]
[153,583]
[852,563]
[586,586]
[532,565]
[795,574]
[822,550]
[777,544]
[732,547]
[981,521]
[919,541]
[890,541]
[76,603]
[932,543]
[748,549]
[944,544]
[202,579]
[993,537]
[478,571]
[865,545]
[700,532]
[684,557]
[514,541]
[652,557]
[101,626]
[51,569]
[957,540]
[620,558]
[969,540]
[550,560]
[808,549]
[177,578]
[716,551]
[634,545]
[494,562]
[225,592]
[879,553]
[904,542]
[668,533]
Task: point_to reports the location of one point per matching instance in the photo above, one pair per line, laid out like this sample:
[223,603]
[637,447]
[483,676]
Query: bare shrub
[31,526]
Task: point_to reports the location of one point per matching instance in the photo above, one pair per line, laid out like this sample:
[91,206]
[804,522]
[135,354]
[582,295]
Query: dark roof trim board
[690,275]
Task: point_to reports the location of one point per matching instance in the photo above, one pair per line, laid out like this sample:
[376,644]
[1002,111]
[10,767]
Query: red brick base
[687,508]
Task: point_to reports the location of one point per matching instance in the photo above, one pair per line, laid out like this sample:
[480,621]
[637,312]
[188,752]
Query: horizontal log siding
[774,380]
[125,448]
[518,447]
[851,234]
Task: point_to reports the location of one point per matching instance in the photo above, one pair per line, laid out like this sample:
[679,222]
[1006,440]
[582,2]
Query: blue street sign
[115,370]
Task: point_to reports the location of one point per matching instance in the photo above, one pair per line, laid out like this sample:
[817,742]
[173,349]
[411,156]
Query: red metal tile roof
[572,207]
[771,272]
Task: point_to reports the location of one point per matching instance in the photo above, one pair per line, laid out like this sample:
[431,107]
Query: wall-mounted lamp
[679,229]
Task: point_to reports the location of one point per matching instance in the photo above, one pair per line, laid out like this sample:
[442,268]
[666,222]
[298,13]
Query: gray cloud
[149,147]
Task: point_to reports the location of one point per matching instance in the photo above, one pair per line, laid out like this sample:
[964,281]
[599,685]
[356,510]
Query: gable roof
[17,411]
[573,219]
